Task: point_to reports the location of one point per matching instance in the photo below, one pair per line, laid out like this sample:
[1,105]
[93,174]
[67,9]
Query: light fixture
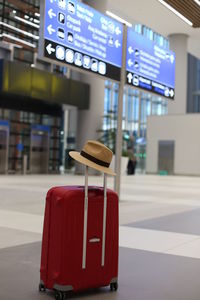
[176,12]
[27,22]
[16,45]
[36,37]
[109,13]
[36,21]
[18,40]
[197,1]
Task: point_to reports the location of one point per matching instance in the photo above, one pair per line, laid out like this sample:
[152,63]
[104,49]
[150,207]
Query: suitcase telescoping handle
[86,217]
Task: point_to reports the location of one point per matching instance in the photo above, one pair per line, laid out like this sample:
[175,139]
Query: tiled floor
[159,237]
[184,222]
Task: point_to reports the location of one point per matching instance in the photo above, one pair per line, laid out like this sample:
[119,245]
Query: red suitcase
[80,239]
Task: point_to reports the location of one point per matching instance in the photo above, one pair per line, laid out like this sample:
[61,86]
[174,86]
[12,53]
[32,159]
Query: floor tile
[191,249]
[21,221]
[13,237]
[152,240]
[185,222]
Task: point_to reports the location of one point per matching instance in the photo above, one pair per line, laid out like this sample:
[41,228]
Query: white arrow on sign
[117,31]
[51,13]
[50,29]
[117,44]
[130,62]
[130,50]
[50,49]
[171,92]
[130,77]
[172,58]
[52,1]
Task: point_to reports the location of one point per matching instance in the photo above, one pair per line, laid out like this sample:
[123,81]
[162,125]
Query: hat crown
[98,151]
[96,156]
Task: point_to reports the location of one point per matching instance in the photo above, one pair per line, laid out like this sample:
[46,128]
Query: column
[70,129]
[89,121]
[178,43]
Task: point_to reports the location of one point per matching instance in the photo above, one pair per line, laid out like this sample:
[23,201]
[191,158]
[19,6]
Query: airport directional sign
[78,35]
[149,66]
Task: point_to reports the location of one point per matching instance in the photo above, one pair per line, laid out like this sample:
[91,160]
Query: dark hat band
[95,160]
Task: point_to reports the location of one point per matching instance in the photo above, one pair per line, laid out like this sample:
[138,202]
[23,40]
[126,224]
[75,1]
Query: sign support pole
[118,145]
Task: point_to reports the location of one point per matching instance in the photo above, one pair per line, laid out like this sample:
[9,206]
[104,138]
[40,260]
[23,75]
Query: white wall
[184,130]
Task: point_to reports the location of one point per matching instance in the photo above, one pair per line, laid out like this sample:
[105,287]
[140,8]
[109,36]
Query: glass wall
[137,106]
[20,138]
[151,35]
[193,84]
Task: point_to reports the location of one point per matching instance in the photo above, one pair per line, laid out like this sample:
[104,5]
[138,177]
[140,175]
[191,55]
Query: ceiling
[156,16]
[188,8]
[24,6]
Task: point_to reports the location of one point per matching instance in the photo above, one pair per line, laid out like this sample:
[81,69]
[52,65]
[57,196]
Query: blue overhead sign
[77,34]
[149,66]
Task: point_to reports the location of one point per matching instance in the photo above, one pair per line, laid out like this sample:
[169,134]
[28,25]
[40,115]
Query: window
[151,35]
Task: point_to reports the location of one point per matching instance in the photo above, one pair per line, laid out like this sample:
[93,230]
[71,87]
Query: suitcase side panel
[72,255]
[65,254]
[45,240]
[112,238]
[96,274]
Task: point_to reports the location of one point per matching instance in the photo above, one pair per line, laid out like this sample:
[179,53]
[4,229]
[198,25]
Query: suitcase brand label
[94,240]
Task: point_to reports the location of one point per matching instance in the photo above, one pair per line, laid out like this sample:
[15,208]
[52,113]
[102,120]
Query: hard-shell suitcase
[80,239]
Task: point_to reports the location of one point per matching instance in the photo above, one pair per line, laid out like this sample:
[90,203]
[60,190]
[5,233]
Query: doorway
[39,150]
[166,157]
[4,142]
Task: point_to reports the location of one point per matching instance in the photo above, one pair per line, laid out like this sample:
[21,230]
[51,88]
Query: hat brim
[78,157]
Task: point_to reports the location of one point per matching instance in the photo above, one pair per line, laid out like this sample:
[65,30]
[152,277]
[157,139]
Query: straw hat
[95,155]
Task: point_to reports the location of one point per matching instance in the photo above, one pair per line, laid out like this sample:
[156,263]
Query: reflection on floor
[159,237]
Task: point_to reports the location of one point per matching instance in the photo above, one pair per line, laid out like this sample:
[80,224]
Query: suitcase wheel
[59,295]
[113,286]
[42,288]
